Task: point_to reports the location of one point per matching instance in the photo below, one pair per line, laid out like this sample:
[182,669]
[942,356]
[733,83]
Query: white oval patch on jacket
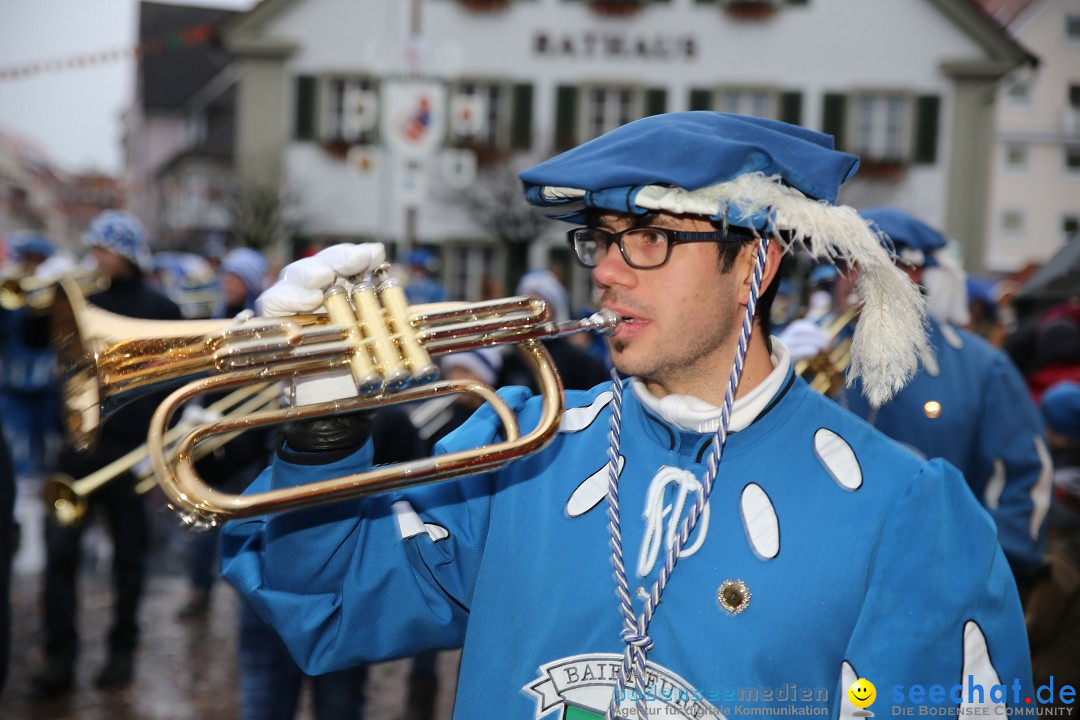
[759,519]
[589,493]
[847,677]
[578,418]
[838,458]
[952,337]
[979,670]
[930,364]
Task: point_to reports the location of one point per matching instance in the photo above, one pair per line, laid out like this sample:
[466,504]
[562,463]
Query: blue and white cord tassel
[635,634]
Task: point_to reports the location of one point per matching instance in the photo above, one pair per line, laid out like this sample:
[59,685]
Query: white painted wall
[151,140]
[1042,190]
[827,45]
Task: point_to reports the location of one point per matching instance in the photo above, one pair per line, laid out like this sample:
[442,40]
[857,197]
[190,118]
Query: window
[606,108]
[1072,159]
[194,129]
[747,101]
[1072,28]
[1012,224]
[480,114]
[351,110]
[1070,227]
[584,112]
[472,267]
[1016,156]
[1071,119]
[881,126]
[491,116]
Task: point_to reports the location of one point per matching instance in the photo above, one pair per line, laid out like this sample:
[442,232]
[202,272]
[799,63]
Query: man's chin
[624,361]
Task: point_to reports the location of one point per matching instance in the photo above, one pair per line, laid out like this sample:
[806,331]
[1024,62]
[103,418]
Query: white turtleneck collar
[690,413]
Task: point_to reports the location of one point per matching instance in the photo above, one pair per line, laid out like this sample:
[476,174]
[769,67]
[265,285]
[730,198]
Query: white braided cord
[632,673]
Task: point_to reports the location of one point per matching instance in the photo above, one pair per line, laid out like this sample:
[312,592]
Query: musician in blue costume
[969,405]
[768,547]
[28,399]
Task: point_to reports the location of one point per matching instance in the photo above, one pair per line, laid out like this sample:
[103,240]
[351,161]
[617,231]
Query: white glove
[300,286]
[299,289]
[195,414]
[55,267]
[803,339]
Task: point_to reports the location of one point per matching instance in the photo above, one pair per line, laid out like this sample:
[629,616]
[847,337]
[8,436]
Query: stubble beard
[685,362]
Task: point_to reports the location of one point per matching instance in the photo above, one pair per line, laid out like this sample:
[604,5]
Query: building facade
[177,139]
[1035,191]
[394,121]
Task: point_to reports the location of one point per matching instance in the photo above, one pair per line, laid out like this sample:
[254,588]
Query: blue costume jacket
[861,561]
[972,408]
[28,399]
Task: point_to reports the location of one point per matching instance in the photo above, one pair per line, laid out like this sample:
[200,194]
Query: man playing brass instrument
[118,244]
[811,551]
[971,407]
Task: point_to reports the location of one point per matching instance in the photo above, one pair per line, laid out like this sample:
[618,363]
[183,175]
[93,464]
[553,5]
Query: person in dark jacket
[8,537]
[118,244]
[577,368]
[231,467]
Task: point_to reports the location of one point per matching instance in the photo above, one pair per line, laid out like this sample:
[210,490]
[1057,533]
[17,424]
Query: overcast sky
[73,115]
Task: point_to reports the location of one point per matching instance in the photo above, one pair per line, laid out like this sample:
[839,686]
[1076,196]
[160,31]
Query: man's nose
[613,270]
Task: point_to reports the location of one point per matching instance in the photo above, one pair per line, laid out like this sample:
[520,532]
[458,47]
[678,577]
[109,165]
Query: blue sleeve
[366,579]
[941,606]
[1014,464]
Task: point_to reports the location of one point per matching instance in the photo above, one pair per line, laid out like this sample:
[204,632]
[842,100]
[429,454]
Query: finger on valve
[349,261]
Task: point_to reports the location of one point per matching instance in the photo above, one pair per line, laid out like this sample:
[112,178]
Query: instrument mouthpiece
[603,321]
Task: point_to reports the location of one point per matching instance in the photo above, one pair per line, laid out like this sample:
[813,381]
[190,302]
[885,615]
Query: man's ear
[745,266]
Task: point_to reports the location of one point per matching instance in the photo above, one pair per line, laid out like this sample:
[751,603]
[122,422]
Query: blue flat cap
[691,151]
[913,240]
[779,179]
[1061,409]
[28,242]
[122,233]
[248,265]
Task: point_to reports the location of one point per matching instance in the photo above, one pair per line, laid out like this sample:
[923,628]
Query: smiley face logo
[862,693]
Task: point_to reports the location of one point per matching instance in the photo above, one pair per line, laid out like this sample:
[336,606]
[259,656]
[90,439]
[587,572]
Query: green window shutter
[566,115]
[655,101]
[701,99]
[307,91]
[521,117]
[791,107]
[796,2]
[833,115]
[705,2]
[927,111]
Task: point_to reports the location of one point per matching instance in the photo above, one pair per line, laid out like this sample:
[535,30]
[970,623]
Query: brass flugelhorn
[36,294]
[66,499]
[387,346]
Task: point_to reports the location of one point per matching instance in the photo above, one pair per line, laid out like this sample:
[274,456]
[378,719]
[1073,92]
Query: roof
[987,31]
[170,75]
[1004,11]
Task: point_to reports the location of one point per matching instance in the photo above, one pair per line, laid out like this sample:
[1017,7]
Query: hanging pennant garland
[190,37]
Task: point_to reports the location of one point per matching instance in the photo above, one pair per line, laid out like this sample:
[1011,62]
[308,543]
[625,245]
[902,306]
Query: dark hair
[728,252]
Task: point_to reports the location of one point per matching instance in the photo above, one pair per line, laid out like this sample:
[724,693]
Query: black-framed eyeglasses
[642,248]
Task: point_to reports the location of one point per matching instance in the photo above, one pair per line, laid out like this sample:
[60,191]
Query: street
[185,669]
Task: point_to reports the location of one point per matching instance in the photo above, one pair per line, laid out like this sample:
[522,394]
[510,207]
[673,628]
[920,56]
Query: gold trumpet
[66,498]
[387,346]
[825,371]
[37,294]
